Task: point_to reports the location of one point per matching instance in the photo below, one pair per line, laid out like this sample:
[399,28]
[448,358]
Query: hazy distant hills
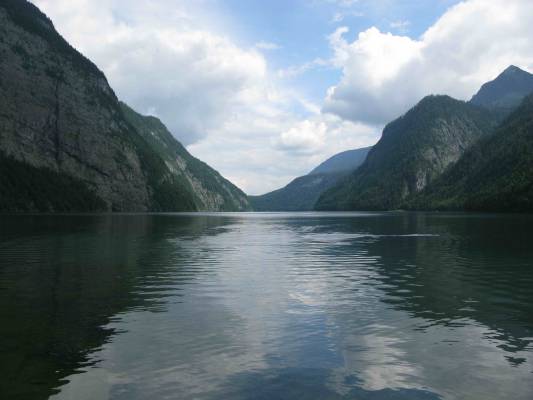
[303,192]
[346,161]
[448,154]
[66,144]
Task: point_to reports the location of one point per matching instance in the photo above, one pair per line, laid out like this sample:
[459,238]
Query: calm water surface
[266,306]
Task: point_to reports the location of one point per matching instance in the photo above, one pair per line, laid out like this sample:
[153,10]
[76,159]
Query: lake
[267,306]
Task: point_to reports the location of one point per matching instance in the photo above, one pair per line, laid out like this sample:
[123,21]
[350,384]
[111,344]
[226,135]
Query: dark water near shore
[266,306]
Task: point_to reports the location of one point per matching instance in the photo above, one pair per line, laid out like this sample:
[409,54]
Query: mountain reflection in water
[263,306]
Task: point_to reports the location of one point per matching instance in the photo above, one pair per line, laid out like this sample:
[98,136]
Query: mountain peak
[435,99]
[511,70]
[507,91]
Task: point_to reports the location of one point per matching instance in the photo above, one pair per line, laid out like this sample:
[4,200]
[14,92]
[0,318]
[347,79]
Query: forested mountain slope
[414,150]
[496,174]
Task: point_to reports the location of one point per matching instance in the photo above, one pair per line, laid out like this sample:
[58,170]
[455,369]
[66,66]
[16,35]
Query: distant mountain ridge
[67,144]
[303,192]
[506,91]
[346,161]
[413,150]
[447,154]
[299,195]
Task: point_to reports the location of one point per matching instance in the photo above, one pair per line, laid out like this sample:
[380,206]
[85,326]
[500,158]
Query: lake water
[266,306]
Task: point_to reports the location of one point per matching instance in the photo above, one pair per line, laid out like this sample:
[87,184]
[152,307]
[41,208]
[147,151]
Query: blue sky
[301,28]
[265,90]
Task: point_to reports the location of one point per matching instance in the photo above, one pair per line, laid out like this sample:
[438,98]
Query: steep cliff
[209,190]
[496,174]
[61,121]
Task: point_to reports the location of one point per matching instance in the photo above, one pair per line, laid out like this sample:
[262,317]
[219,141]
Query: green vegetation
[172,168]
[496,174]
[299,195]
[443,154]
[168,192]
[413,151]
[30,189]
[172,179]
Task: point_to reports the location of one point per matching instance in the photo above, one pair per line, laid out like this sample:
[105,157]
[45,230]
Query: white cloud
[311,136]
[401,25]
[296,70]
[385,74]
[219,99]
[342,15]
[189,77]
[223,101]
[272,152]
[304,137]
[267,46]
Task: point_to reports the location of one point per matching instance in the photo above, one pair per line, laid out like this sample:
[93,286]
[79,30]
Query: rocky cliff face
[209,190]
[59,116]
[413,151]
[59,112]
[495,174]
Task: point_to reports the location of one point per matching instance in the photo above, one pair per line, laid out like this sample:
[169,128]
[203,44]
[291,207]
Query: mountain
[346,161]
[303,192]
[496,174]
[67,144]
[506,92]
[210,191]
[413,151]
[299,195]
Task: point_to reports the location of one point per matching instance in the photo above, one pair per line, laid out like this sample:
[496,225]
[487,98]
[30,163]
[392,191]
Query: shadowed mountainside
[413,151]
[496,174]
[68,145]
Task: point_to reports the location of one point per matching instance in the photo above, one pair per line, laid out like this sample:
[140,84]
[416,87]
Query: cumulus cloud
[222,100]
[385,74]
[161,63]
[216,97]
[282,148]
[304,137]
[310,136]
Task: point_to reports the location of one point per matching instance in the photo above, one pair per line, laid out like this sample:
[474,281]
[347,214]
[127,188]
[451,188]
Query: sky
[263,91]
